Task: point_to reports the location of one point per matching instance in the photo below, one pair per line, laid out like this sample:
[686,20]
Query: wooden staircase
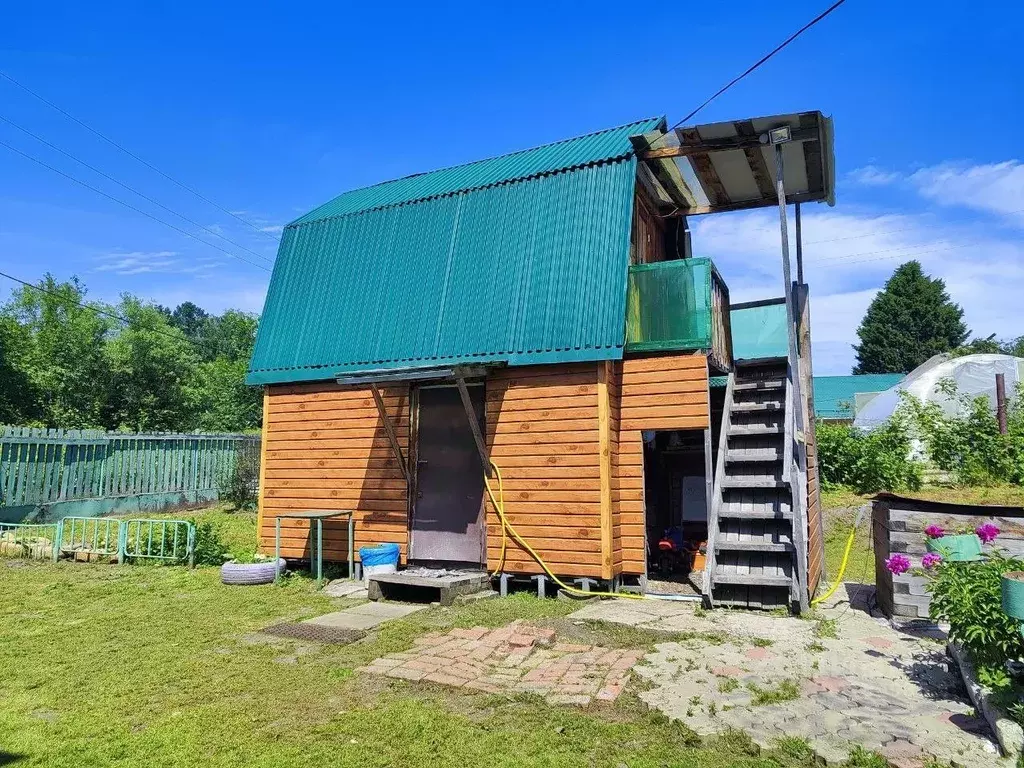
[757,530]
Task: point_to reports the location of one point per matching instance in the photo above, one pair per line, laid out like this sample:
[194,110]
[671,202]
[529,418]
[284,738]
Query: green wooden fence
[50,473]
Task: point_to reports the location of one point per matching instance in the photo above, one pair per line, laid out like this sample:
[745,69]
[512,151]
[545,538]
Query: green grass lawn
[153,665]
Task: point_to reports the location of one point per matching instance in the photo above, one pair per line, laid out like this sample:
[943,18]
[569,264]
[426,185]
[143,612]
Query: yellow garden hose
[846,559]
[507,530]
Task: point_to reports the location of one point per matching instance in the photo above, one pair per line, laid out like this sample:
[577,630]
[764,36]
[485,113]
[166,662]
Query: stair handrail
[711,556]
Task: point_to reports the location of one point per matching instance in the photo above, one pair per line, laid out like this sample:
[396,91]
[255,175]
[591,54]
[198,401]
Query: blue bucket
[382,554]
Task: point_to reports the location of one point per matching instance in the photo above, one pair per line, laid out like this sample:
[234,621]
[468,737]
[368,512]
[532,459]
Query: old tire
[247,574]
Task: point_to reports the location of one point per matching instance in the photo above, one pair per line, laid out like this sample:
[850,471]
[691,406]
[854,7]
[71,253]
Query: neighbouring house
[547,312]
[840,398]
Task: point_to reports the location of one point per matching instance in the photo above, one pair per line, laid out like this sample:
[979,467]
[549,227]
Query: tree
[152,366]
[59,351]
[18,398]
[223,401]
[909,321]
[990,345]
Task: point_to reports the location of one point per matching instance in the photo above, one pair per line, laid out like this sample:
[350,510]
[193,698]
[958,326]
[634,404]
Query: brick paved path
[515,658]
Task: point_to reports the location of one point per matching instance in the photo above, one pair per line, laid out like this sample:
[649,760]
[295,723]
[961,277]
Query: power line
[761,61]
[107,176]
[90,307]
[130,206]
[135,157]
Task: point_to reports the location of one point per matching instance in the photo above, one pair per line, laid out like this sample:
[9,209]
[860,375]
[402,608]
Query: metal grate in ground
[317,633]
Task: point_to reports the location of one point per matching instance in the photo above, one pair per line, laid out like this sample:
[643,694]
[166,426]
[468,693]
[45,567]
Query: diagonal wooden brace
[390,430]
[474,424]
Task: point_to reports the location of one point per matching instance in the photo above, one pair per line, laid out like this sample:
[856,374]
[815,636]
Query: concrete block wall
[898,526]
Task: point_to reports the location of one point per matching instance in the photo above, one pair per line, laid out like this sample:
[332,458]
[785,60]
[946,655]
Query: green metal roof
[834,395]
[519,259]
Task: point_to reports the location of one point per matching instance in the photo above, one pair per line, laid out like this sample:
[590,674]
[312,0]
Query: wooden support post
[474,424]
[390,431]
[261,489]
[799,246]
[1001,402]
[605,453]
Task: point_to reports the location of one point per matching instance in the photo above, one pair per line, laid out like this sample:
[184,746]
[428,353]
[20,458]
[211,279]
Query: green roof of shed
[518,259]
[834,395]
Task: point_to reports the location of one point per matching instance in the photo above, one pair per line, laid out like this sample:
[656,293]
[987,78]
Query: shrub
[968,595]
[867,462]
[969,446]
[210,548]
[241,484]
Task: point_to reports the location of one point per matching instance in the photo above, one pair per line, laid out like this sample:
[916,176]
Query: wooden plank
[579,438]
[704,170]
[604,429]
[701,145]
[684,361]
[755,159]
[261,488]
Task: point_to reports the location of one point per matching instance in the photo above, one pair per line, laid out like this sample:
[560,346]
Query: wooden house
[546,311]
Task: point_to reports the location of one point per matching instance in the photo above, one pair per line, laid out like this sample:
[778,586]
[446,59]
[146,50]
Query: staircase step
[756,407]
[754,545]
[752,579]
[766,513]
[759,385]
[760,362]
[750,455]
[753,482]
[756,430]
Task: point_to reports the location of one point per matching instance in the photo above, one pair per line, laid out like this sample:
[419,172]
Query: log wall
[543,434]
[657,393]
[325,448]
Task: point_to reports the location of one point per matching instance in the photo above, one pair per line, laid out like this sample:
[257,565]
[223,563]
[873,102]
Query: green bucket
[964,546]
[1013,594]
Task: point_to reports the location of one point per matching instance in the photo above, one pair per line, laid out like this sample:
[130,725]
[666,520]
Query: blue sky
[268,111]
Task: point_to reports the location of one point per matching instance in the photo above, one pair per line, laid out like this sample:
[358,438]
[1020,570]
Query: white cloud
[146,262]
[873,176]
[995,187]
[849,256]
[274,229]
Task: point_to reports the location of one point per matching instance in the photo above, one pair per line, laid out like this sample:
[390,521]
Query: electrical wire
[134,191]
[90,307]
[761,61]
[134,156]
[130,206]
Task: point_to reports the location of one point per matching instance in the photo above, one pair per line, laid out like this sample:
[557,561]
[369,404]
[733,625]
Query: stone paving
[887,690]
[513,659]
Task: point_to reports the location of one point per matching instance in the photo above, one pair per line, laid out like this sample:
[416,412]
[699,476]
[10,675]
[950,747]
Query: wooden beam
[718,145]
[604,444]
[705,171]
[812,156]
[390,431]
[264,439]
[474,424]
[742,205]
[755,159]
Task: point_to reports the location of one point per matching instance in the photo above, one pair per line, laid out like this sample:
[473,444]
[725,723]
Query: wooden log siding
[326,448]
[657,393]
[542,432]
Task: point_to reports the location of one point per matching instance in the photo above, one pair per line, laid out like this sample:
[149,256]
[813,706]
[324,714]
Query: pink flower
[931,559]
[897,564]
[987,532]
[934,531]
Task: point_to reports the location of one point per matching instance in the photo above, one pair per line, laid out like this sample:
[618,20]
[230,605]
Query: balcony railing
[679,305]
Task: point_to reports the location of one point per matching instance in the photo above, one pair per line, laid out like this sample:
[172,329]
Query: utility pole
[1001,402]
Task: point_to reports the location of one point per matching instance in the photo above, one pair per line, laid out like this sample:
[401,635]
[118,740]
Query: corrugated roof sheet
[834,395]
[601,146]
[520,259]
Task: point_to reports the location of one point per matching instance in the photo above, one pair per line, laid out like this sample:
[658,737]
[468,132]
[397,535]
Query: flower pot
[1013,594]
[964,546]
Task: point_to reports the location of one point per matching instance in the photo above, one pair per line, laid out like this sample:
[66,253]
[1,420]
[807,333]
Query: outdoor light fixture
[780,135]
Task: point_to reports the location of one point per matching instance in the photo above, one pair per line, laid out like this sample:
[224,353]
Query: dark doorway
[448,514]
[675,495]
